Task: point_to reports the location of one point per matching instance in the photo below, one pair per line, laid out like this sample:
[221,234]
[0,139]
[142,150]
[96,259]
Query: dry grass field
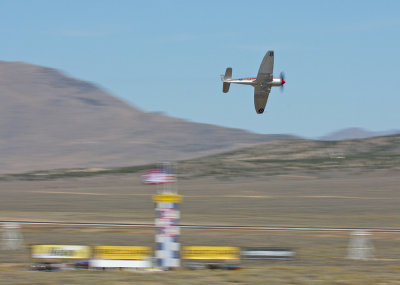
[331,185]
[335,199]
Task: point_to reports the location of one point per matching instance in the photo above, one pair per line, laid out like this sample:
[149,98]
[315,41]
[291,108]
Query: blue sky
[341,58]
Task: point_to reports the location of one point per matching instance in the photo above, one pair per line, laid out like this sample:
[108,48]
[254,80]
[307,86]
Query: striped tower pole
[167,227]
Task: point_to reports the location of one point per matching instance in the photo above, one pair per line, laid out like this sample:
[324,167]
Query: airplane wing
[260,98]
[266,68]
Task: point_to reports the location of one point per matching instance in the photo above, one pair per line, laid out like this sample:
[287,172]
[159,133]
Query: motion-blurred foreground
[306,197]
[340,193]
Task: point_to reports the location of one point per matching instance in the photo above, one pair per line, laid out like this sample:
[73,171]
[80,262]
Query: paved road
[213,227]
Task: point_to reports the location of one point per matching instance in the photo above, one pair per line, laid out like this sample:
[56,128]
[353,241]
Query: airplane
[262,83]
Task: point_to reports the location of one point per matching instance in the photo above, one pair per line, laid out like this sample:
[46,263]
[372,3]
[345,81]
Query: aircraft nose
[283,81]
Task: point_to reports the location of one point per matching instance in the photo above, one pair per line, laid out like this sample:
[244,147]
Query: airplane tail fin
[225,78]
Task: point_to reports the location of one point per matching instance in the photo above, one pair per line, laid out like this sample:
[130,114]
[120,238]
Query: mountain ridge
[356,133]
[49,120]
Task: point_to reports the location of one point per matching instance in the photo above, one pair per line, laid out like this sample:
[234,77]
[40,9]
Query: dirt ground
[338,199]
[330,199]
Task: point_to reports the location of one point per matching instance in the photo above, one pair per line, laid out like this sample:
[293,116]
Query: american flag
[159,175]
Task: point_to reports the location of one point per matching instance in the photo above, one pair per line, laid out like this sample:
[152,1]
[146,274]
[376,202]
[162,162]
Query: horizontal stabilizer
[228,73]
[225,87]
[227,76]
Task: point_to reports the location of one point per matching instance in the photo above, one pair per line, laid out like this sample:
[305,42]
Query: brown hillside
[49,120]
